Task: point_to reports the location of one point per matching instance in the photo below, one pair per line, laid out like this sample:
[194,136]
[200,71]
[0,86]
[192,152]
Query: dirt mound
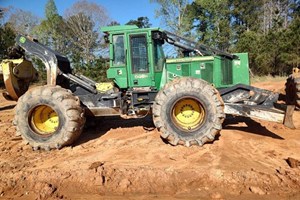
[116,157]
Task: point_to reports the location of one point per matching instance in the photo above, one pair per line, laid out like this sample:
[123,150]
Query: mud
[116,158]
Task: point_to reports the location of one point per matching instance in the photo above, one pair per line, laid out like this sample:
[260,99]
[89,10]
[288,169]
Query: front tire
[49,117]
[188,111]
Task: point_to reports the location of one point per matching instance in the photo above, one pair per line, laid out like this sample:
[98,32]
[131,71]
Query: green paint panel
[207,71]
[119,74]
[226,68]
[186,69]
[240,69]
[158,76]
[198,67]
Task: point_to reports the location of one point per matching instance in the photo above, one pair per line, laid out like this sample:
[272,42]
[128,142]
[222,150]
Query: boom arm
[54,62]
[192,46]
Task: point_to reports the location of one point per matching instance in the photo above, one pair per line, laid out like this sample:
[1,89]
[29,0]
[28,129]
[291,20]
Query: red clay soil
[118,159]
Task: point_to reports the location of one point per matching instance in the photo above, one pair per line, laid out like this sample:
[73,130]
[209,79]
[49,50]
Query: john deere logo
[22,39]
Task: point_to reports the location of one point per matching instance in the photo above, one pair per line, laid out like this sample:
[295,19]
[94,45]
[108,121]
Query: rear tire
[188,111]
[49,117]
[292,90]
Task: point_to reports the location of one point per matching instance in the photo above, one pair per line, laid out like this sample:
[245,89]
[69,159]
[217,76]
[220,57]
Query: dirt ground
[118,158]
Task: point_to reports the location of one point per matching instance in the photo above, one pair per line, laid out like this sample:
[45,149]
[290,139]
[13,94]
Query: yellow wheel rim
[188,114]
[44,120]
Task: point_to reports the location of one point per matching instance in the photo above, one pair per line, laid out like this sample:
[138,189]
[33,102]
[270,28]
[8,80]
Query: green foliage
[7,36]
[211,21]
[249,41]
[275,52]
[141,22]
[268,30]
[76,36]
[7,39]
[83,40]
[113,23]
[173,13]
[50,30]
[95,70]
[291,52]
[50,10]
[245,15]
[41,68]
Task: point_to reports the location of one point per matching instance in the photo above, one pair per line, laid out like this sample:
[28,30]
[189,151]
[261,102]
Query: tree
[96,70]
[82,22]
[23,22]
[7,35]
[277,14]
[262,28]
[211,22]
[50,33]
[7,39]
[113,23]
[81,36]
[249,41]
[50,9]
[245,15]
[173,13]
[94,11]
[292,52]
[1,12]
[50,30]
[141,22]
[279,39]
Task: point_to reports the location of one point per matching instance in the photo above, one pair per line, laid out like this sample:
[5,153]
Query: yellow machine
[17,75]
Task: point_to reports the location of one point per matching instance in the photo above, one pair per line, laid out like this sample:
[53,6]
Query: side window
[119,51]
[139,54]
[159,57]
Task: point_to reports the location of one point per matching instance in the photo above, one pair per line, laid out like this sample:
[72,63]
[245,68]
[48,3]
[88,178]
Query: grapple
[17,75]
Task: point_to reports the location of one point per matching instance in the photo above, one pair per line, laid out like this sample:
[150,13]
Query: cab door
[141,73]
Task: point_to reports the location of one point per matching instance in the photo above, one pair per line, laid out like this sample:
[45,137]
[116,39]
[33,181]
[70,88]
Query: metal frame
[54,62]
[249,101]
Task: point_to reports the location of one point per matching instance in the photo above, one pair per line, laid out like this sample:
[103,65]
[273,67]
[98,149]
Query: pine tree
[50,30]
[211,22]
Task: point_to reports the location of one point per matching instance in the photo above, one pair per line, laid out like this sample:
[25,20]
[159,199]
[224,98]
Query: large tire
[49,117]
[292,90]
[188,111]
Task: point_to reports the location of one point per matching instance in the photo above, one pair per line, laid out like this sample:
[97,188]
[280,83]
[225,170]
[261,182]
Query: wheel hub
[44,120]
[188,114]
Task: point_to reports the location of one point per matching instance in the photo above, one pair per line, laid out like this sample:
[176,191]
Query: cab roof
[125,28]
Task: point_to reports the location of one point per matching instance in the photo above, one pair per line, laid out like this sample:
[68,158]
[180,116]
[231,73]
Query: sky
[118,10]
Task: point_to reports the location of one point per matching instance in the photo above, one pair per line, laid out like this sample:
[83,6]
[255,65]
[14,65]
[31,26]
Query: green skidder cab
[188,97]
[137,60]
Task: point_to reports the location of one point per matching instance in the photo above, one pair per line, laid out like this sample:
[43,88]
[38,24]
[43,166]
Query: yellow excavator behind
[17,74]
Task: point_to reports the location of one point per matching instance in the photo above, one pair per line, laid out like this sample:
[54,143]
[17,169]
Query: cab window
[139,54]
[159,57]
[119,51]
